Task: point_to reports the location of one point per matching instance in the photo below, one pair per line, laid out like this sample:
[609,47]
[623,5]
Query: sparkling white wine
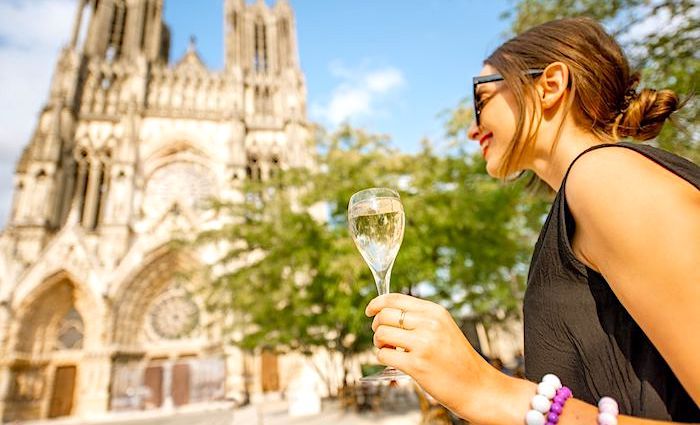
[376,221]
[376,226]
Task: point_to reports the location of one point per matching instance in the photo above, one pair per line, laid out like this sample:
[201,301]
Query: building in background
[94,313]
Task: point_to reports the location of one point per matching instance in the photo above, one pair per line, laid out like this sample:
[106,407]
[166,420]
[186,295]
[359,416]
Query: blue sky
[390,66]
[420,54]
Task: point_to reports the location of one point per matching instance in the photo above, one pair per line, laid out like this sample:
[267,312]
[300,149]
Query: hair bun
[646,114]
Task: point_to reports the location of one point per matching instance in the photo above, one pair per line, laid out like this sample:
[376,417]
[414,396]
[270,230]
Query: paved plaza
[265,413]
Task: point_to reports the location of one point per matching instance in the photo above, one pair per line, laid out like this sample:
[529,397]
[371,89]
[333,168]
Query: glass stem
[382,281]
[382,288]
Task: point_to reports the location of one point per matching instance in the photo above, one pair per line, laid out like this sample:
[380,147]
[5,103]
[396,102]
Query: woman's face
[498,121]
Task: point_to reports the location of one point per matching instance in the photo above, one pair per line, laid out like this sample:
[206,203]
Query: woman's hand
[437,355]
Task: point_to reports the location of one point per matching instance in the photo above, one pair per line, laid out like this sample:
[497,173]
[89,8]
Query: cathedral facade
[95,315]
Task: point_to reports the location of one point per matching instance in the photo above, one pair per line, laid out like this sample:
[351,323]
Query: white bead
[552,379]
[609,405]
[607,419]
[541,403]
[546,389]
[533,417]
[608,408]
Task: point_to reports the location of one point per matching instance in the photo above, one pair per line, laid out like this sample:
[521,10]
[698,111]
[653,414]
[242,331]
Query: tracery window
[185,183]
[70,331]
[260,61]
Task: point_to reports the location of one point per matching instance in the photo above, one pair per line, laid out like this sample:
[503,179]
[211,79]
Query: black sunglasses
[490,79]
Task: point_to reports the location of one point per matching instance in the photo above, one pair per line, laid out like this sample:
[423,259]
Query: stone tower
[94,312]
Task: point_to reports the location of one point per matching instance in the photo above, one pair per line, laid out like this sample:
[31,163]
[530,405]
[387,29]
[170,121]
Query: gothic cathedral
[95,315]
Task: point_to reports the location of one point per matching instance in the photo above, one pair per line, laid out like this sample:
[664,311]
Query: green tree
[303,285]
[661,39]
[476,233]
[296,281]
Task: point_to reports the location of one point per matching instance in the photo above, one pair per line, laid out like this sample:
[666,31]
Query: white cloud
[31,35]
[384,80]
[348,102]
[360,93]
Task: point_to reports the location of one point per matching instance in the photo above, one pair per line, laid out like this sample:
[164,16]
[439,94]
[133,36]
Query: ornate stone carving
[184,183]
[173,315]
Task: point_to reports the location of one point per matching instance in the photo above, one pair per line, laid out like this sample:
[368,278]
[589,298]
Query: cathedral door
[153,380]
[269,372]
[63,389]
[181,384]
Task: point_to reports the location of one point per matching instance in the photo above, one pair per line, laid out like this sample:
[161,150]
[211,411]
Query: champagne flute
[376,220]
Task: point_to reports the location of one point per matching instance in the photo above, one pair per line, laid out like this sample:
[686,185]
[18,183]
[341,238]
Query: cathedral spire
[260,39]
[192,46]
[121,28]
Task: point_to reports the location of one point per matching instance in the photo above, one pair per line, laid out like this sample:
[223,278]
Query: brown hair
[603,94]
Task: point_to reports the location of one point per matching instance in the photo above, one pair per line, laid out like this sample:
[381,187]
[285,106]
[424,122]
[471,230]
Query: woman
[612,304]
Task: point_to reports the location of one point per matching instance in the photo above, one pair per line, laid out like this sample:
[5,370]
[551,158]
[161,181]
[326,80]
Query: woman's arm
[638,224]
[441,360]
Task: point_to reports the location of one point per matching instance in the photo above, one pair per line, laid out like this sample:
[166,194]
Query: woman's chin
[492,169]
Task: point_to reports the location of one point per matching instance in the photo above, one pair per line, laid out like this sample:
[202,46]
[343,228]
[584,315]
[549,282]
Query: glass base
[388,374]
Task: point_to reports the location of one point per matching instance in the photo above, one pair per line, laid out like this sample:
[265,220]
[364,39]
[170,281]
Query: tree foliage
[295,280]
[289,276]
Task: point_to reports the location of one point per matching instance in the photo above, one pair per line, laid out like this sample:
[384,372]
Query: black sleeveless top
[576,328]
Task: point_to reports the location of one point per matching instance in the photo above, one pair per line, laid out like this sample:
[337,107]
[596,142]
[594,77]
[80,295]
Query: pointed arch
[41,314]
[140,289]
[67,254]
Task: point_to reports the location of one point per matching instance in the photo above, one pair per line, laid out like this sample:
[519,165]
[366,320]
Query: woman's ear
[553,83]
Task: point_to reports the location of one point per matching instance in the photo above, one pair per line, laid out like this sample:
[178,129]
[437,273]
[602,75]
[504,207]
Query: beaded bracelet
[607,411]
[563,394]
[541,404]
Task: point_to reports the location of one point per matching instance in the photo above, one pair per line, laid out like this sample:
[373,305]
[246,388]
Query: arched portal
[164,356]
[46,350]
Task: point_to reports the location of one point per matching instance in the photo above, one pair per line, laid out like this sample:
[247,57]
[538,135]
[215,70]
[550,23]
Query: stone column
[92,194]
[5,372]
[168,384]
[133,30]
[77,23]
[92,395]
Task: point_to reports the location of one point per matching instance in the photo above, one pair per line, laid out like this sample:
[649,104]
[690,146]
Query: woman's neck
[551,164]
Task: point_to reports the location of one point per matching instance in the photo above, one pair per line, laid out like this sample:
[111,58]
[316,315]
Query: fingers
[394,358]
[392,317]
[389,336]
[397,301]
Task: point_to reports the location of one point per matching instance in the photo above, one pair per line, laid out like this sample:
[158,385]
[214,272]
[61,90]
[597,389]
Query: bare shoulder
[638,224]
[617,180]
[628,209]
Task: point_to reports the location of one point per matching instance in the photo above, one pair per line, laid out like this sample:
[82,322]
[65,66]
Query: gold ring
[403,316]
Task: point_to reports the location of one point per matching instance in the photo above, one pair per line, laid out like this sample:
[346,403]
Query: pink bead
[552,417]
[607,419]
[556,408]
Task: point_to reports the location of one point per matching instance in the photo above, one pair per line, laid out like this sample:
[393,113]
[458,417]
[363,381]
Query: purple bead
[559,399]
[551,423]
[566,392]
[552,417]
[556,408]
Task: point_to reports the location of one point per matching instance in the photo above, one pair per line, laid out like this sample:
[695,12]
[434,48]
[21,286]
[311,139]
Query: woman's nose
[473,131]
